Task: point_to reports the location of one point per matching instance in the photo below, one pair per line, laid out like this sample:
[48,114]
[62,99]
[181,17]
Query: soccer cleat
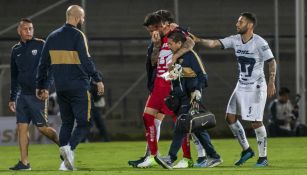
[245,155]
[148,162]
[201,162]
[184,163]
[212,162]
[21,166]
[134,163]
[165,162]
[63,167]
[68,156]
[262,162]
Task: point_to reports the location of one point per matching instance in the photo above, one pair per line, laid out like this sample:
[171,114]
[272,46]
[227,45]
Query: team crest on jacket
[180,61]
[34,52]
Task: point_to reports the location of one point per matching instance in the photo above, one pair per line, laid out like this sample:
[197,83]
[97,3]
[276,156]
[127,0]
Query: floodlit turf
[287,156]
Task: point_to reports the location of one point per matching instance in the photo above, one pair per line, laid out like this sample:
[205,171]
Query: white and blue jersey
[249,96]
[251,57]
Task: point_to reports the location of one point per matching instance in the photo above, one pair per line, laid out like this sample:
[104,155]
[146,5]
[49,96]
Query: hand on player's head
[173,26]
[156,38]
[194,38]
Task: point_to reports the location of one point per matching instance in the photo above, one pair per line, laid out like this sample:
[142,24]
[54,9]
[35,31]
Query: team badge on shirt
[264,48]
[34,52]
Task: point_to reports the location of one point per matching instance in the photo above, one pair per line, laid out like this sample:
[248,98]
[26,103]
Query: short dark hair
[284,91]
[166,15]
[152,19]
[177,36]
[27,20]
[251,17]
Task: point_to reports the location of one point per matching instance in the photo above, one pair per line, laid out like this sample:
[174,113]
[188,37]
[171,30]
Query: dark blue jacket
[151,70]
[66,51]
[194,76]
[24,62]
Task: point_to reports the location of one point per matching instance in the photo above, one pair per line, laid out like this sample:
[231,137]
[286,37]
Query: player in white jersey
[249,97]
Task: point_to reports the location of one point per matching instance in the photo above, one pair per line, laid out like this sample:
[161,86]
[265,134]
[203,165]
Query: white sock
[261,136]
[147,151]
[200,150]
[238,131]
[158,126]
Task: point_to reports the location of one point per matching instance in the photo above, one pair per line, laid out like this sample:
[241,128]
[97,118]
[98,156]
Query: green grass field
[286,156]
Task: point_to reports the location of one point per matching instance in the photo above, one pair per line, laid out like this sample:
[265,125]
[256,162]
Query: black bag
[196,120]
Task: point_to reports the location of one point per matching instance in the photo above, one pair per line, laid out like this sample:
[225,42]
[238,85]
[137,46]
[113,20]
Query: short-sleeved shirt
[251,57]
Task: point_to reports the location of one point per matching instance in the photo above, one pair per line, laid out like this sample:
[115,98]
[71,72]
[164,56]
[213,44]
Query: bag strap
[200,105]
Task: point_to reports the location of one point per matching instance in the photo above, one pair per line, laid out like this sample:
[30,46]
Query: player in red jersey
[159,25]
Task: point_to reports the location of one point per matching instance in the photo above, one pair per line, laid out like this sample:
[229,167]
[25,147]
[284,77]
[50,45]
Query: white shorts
[249,104]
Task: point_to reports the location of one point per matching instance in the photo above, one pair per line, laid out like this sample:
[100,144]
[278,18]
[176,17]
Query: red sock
[151,133]
[186,147]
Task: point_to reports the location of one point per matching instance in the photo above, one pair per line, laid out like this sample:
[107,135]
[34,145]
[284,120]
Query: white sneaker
[63,167]
[68,156]
[184,163]
[149,161]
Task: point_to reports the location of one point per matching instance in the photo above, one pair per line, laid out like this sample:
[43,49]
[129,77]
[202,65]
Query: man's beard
[242,31]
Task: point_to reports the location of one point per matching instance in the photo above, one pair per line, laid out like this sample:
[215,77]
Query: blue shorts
[30,108]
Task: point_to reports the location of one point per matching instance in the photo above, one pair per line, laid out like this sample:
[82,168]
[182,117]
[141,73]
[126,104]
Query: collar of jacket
[26,42]
[69,25]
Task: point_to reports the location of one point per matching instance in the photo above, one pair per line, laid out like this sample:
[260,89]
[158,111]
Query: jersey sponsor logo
[34,52]
[18,54]
[162,64]
[243,52]
[264,48]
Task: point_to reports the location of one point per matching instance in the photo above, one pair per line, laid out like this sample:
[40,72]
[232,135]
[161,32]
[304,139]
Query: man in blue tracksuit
[66,52]
[187,86]
[24,62]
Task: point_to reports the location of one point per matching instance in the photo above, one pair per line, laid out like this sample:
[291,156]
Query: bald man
[66,53]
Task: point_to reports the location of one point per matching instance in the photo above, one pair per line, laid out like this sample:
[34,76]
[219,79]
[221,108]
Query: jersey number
[246,65]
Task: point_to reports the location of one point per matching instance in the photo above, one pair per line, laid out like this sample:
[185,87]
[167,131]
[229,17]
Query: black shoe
[201,159]
[262,162]
[21,166]
[134,163]
[165,162]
